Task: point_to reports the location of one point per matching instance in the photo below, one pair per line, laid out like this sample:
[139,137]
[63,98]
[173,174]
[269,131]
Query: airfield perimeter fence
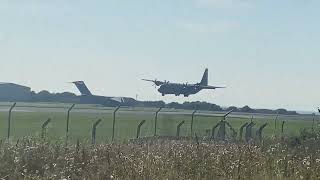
[106,124]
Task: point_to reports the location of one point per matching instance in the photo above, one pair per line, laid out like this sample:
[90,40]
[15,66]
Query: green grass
[29,124]
[127,120]
[35,158]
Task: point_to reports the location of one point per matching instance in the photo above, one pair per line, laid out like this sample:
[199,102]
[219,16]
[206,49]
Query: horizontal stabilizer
[211,87]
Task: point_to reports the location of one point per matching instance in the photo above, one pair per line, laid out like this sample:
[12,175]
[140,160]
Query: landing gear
[163,94]
[177,94]
[186,95]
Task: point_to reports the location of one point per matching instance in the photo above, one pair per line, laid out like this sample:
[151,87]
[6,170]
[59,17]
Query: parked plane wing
[118,99]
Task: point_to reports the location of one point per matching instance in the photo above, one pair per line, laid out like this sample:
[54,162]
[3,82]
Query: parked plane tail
[204,81]
[82,87]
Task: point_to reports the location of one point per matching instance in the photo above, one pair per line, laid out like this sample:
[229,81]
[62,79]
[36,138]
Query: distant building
[14,92]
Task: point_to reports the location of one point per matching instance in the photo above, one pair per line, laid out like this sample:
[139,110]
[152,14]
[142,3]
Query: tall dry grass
[160,159]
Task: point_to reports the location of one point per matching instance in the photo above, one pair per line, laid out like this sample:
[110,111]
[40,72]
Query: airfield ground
[35,158]
[27,119]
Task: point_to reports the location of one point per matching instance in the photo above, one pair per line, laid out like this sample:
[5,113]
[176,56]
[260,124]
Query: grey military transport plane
[88,98]
[185,89]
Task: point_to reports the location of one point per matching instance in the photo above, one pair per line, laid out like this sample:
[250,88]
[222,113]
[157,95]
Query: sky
[265,51]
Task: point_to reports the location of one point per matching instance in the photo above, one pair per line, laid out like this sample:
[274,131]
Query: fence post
[222,129]
[9,119]
[282,127]
[43,127]
[234,133]
[114,121]
[227,114]
[139,128]
[156,121]
[249,131]
[94,129]
[259,131]
[241,131]
[178,128]
[68,120]
[192,119]
[275,124]
[214,129]
[313,119]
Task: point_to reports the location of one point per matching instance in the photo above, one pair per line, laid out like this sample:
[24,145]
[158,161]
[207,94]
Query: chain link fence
[53,122]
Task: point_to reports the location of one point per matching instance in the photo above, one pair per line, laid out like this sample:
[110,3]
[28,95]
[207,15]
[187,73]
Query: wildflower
[16,160]
[278,161]
[306,162]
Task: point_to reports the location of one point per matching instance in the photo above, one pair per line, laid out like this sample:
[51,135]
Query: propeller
[156,82]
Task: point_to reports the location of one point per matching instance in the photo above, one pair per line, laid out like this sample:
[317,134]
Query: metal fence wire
[106,124]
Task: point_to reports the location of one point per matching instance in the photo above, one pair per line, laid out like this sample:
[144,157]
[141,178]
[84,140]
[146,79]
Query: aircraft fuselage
[179,89]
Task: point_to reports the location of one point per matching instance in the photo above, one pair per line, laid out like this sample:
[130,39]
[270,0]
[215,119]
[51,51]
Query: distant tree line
[205,106]
[46,96]
[67,97]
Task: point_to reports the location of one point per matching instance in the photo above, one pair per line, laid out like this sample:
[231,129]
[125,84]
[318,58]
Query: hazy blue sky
[266,52]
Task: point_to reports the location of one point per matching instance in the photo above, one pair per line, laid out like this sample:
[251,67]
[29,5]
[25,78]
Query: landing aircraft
[185,89]
[88,98]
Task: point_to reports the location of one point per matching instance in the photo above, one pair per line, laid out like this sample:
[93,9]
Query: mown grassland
[29,124]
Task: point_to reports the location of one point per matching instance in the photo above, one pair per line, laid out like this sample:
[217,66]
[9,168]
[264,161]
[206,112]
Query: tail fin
[204,81]
[82,88]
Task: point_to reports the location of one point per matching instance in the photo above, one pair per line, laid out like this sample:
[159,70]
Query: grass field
[27,121]
[156,158]
[33,158]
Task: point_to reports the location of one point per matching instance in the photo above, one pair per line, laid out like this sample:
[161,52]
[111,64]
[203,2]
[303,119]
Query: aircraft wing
[118,99]
[156,82]
[149,80]
[211,87]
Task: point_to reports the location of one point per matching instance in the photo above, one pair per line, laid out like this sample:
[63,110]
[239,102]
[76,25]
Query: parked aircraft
[185,89]
[88,98]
